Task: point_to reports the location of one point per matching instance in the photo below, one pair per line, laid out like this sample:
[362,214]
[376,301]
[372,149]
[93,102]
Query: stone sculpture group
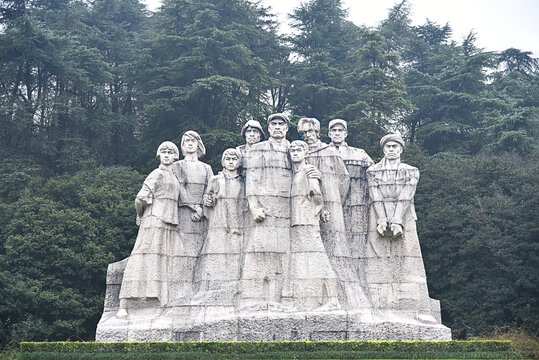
[290,241]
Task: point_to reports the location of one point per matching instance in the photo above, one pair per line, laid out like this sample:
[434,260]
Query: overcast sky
[499,24]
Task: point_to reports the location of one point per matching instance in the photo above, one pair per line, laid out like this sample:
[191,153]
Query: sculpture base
[191,323]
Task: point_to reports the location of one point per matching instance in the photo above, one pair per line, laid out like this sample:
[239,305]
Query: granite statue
[145,282]
[224,202]
[312,282]
[267,188]
[335,185]
[290,241]
[252,133]
[393,262]
[356,204]
[194,177]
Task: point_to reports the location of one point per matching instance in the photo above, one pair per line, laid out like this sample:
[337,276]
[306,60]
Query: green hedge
[194,355]
[266,347]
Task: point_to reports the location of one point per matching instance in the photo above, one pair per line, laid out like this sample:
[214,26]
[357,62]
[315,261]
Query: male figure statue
[356,206]
[252,133]
[267,188]
[393,245]
[334,185]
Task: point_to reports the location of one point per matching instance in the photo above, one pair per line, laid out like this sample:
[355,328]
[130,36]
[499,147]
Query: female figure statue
[193,176]
[145,280]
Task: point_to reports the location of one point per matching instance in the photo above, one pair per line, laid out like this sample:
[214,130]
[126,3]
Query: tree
[345,71]
[515,126]
[116,26]
[323,43]
[59,238]
[53,87]
[204,69]
[448,86]
[477,226]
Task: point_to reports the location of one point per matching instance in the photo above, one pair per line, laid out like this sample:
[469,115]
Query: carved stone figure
[268,184]
[394,265]
[311,281]
[252,133]
[218,271]
[335,185]
[146,277]
[285,269]
[193,176]
[356,205]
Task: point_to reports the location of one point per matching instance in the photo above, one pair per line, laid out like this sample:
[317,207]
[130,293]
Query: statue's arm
[367,159]
[406,196]
[252,186]
[376,197]
[211,191]
[178,172]
[146,194]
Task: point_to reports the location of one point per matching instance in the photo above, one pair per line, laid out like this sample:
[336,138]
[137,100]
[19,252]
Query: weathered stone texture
[306,241]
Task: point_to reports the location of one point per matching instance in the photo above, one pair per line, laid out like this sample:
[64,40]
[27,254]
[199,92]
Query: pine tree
[204,69]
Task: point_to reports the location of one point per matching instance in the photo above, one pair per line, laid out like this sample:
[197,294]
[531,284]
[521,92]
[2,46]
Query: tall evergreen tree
[322,45]
[515,124]
[53,99]
[345,71]
[204,69]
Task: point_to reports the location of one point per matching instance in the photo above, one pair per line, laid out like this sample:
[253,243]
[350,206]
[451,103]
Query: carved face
[252,135]
[166,156]
[392,150]
[190,145]
[337,133]
[309,134]
[231,162]
[297,153]
[277,128]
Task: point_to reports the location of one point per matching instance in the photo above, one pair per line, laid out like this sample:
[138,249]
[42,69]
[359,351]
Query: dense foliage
[270,350]
[88,90]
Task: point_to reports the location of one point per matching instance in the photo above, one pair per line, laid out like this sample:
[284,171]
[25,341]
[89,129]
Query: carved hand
[396,229]
[138,220]
[259,214]
[195,217]
[314,173]
[208,202]
[381,228]
[325,216]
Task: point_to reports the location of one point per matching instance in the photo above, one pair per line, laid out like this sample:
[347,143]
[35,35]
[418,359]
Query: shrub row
[259,347]
[195,355]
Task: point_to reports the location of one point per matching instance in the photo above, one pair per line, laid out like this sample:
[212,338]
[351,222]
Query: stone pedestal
[196,322]
[221,324]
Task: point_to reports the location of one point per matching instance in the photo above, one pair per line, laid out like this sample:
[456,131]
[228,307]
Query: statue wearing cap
[356,206]
[338,131]
[393,245]
[252,133]
[335,185]
[267,188]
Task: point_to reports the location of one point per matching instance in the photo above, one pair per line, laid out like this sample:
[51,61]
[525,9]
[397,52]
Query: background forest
[89,89]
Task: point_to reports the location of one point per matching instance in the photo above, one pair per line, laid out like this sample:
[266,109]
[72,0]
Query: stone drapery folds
[275,237]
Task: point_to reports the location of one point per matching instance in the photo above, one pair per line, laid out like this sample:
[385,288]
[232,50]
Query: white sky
[499,24]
